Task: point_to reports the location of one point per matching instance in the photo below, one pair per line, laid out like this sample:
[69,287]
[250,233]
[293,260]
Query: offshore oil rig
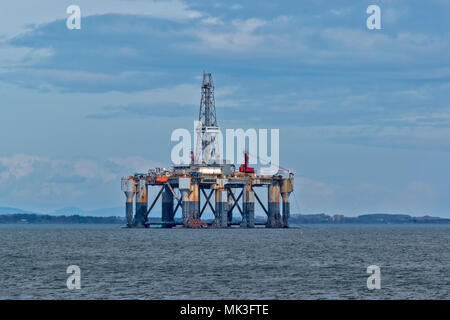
[210,176]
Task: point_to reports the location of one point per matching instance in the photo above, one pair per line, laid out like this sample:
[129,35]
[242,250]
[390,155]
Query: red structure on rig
[244,168]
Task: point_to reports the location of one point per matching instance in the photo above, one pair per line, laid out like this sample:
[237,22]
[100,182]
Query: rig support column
[230,205]
[195,199]
[184,185]
[128,187]
[248,220]
[274,217]
[140,218]
[191,205]
[286,189]
[220,208]
[167,216]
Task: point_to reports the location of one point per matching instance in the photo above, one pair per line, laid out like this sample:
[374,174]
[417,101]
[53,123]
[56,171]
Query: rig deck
[227,187]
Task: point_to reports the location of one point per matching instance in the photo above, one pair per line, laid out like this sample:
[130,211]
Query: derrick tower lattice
[207,129]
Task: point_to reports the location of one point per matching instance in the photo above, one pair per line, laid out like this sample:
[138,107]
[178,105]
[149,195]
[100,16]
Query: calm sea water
[313,262]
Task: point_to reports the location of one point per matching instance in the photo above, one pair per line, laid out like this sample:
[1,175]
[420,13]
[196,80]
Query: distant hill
[48,219]
[104,212]
[376,218]
[71,211]
[116,215]
[8,210]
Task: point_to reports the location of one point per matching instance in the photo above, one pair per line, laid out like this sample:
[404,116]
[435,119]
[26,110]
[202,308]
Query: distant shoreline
[33,218]
[376,218]
[295,219]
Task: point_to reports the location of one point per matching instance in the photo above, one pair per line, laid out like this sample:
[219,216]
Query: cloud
[18,166]
[322,94]
[144,111]
[396,138]
[14,57]
[239,37]
[14,19]
[172,102]
[316,188]
[44,182]
[129,53]
[79,81]
[22,166]
[340,11]
[90,169]
[212,21]
[136,164]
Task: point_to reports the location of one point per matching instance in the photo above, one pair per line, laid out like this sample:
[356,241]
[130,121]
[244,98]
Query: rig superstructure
[207,174]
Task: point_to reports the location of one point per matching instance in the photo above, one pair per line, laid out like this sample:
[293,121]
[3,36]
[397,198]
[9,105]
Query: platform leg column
[167,208]
[287,186]
[140,217]
[274,216]
[184,184]
[191,207]
[195,198]
[230,205]
[128,187]
[248,220]
[286,210]
[185,207]
[221,219]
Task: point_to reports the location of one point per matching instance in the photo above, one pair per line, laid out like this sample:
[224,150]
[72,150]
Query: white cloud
[27,180]
[212,21]
[91,169]
[136,164]
[11,57]
[356,39]
[248,25]
[17,16]
[316,188]
[18,166]
[239,36]
[340,12]
[282,19]
[71,80]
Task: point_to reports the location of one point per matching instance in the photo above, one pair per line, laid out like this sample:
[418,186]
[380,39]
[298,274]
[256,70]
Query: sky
[364,115]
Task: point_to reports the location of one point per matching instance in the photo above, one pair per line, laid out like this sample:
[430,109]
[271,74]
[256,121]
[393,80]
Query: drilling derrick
[207,150]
